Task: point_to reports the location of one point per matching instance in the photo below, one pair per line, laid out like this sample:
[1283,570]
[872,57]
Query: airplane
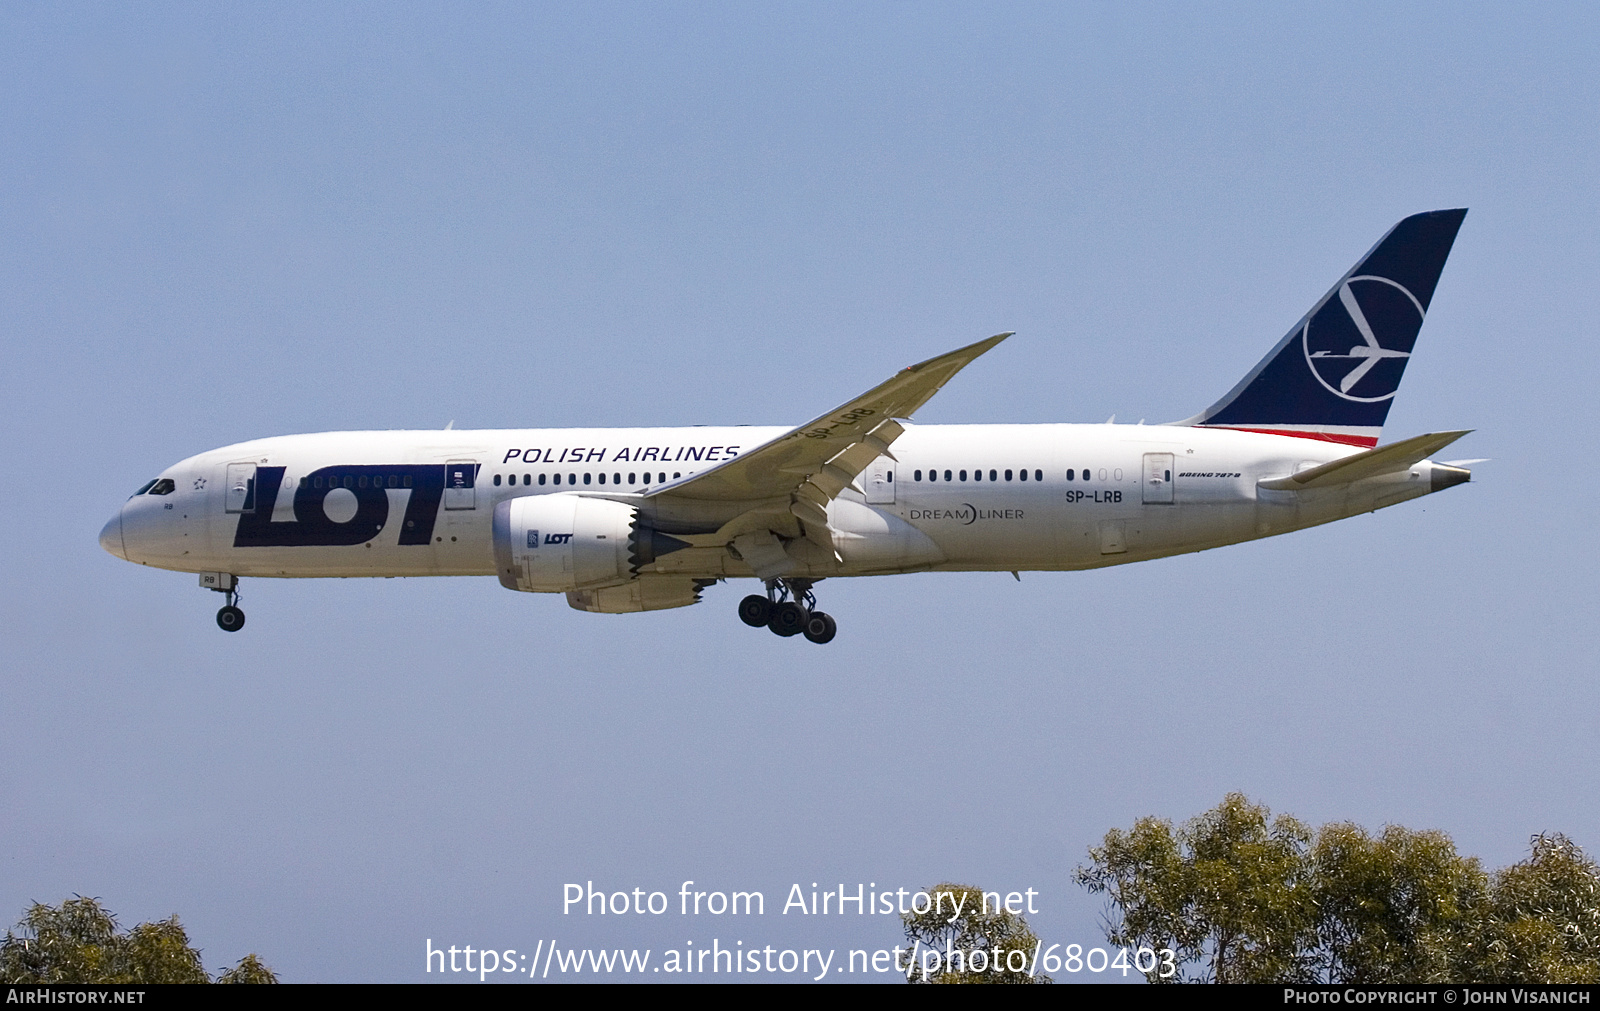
[628,520]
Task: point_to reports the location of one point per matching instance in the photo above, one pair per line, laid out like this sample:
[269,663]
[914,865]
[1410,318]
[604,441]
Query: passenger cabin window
[541,479]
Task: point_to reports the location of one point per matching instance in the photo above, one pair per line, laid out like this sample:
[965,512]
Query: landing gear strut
[788,609]
[230,618]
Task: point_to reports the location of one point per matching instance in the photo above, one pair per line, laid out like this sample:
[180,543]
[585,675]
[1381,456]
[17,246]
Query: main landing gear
[788,609]
[230,618]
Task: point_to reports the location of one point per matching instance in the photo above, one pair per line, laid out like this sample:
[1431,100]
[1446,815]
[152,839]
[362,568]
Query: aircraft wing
[1396,456]
[795,476]
[832,449]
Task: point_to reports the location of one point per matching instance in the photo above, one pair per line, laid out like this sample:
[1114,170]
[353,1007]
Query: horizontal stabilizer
[1396,456]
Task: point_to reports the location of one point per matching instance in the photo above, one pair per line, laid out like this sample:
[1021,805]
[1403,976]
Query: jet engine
[559,543]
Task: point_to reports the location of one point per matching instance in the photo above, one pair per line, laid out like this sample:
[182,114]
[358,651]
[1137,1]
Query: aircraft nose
[111,536]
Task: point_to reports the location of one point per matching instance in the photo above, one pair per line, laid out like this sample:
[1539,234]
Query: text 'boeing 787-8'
[642,519]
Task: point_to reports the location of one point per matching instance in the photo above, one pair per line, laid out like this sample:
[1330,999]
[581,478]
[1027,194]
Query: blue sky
[221,223]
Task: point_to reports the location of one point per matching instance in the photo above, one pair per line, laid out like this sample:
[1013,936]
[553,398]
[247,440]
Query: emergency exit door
[880,481]
[1158,478]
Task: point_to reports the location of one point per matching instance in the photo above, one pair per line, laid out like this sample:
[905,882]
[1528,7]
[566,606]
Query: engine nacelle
[551,543]
[560,543]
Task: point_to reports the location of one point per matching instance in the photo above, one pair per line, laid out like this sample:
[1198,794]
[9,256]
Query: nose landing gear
[230,618]
[788,609]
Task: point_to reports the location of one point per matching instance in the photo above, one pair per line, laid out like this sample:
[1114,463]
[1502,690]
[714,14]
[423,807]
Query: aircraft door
[240,495]
[1158,478]
[879,481]
[460,481]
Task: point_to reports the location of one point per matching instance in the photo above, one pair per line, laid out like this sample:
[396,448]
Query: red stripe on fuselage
[1364,441]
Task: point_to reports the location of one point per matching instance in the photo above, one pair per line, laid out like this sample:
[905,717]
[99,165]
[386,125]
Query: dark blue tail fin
[1333,376]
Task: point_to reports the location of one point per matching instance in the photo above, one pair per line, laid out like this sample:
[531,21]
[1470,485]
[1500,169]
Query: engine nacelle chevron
[557,543]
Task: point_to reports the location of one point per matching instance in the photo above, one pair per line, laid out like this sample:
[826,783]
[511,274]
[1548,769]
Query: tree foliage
[79,942]
[1539,923]
[957,925]
[1385,908]
[249,970]
[1226,892]
[1240,896]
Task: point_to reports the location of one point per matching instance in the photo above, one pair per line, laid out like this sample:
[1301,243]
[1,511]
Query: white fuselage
[953,498]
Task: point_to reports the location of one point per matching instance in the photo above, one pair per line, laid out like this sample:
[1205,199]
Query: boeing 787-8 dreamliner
[626,520]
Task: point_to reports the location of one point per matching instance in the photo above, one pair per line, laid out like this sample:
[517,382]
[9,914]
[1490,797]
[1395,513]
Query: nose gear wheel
[230,618]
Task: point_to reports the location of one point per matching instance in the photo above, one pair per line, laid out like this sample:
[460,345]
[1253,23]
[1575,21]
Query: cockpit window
[164,486]
[144,488]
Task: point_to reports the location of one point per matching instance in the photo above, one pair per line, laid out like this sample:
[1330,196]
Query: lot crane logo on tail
[1378,366]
